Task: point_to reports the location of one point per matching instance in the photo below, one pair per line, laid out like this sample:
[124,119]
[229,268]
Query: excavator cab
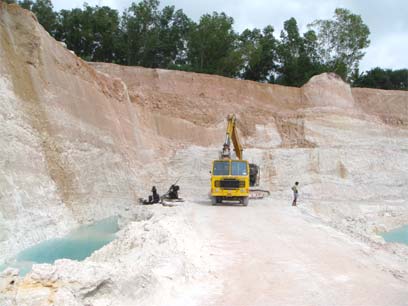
[230,181]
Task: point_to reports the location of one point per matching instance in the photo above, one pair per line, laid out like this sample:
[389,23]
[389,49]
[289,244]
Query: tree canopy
[383,79]
[212,46]
[149,35]
[153,37]
[341,41]
[259,54]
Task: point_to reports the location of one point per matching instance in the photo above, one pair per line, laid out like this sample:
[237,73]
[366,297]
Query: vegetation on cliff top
[149,36]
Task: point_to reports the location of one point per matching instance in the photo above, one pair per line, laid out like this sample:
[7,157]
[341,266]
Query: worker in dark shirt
[155,195]
[295,193]
[153,199]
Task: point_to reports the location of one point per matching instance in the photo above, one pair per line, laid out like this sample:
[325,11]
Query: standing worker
[153,199]
[295,193]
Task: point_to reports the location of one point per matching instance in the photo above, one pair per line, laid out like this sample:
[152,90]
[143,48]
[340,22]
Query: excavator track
[257,194]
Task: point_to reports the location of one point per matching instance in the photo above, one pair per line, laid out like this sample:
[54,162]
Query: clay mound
[328,90]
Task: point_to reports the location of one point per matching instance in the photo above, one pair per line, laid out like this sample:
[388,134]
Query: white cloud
[381,53]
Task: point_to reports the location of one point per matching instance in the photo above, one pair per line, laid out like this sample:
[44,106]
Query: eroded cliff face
[81,141]
[69,146]
[334,139]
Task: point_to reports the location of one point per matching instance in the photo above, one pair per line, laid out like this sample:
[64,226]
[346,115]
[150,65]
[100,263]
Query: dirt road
[274,254]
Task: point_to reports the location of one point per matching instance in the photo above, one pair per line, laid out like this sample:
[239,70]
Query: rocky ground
[80,142]
[199,254]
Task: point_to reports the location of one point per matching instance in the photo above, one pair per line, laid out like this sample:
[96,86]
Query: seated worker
[154,198]
[173,193]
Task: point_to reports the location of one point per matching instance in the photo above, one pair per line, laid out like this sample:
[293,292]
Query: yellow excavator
[231,179]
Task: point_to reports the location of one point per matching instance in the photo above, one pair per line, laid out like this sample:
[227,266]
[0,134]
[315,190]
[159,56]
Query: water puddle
[399,235]
[77,245]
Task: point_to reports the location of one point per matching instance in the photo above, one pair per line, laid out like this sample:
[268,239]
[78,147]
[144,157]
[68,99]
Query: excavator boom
[237,145]
[232,136]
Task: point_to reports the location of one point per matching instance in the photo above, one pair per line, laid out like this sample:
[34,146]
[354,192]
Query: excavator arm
[237,145]
[232,136]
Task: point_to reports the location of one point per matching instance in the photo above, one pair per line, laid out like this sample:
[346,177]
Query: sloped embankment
[68,143]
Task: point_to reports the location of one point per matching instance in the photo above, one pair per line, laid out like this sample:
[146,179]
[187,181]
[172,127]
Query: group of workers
[173,194]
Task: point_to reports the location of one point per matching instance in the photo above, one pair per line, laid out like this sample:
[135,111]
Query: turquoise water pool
[77,245]
[399,235]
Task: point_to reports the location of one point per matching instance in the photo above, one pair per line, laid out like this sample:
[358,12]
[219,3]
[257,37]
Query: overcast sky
[387,19]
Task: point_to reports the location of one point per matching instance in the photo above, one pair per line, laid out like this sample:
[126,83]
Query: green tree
[399,79]
[46,16]
[383,79]
[298,56]
[75,30]
[26,4]
[341,41]
[142,33]
[93,33]
[108,43]
[289,51]
[167,38]
[213,46]
[44,11]
[313,62]
[155,38]
[174,27]
[259,54]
